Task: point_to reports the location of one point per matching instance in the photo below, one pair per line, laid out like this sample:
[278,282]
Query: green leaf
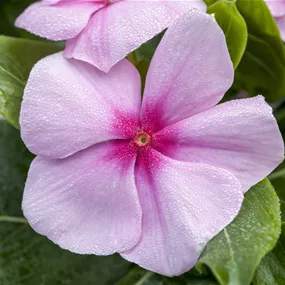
[233,25]
[210,2]
[27,258]
[14,165]
[234,254]
[9,11]
[17,57]
[271,270]
[139,276]
[262,68]
[142,56]
[197,281]
[5,27]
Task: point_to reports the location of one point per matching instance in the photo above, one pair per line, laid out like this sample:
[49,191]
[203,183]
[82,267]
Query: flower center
[141,140]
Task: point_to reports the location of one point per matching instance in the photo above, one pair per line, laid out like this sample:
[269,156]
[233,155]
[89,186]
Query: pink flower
[277,9]
[102,32]
[156,180]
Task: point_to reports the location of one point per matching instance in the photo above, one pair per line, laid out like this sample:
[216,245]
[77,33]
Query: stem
[144,278]
[13,219]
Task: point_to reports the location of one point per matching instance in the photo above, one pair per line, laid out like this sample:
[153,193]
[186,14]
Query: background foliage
[248,251]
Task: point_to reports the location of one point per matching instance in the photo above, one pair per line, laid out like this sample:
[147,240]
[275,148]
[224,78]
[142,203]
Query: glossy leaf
[17,57]
[235,252]
[271,270]
[262,68]
[233,25]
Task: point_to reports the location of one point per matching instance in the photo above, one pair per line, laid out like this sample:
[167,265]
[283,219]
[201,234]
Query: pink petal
[57,20]
[86,203]
[189,73]
[241,136]
[69,105]
[184,205]
[120,28]
[276,7]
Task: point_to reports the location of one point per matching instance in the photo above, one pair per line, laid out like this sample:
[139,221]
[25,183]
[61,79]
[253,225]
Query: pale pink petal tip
[114,32]
[70,105]
[54,21]
[184,206]
[241,136]
[87,203]
[190,71]
[101,33]
[277,9]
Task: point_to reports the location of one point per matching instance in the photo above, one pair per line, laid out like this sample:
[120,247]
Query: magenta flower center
[142,140]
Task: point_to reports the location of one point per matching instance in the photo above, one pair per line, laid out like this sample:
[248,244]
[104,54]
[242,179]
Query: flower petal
[57,20]
[281,25]
[241,136]
[190,71]
[86,203]
[276,7]
[69,105]
[120,28]
[184,205]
